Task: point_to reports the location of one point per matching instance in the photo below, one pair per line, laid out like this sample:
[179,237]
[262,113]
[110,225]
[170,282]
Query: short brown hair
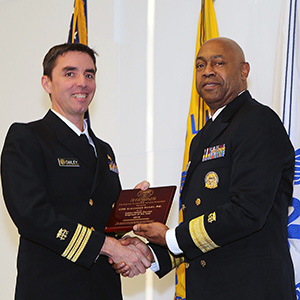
[50,58]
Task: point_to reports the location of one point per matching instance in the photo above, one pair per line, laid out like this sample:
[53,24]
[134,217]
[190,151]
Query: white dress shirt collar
[72,126]
[218,111]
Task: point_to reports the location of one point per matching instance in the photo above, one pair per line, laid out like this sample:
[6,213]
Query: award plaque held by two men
[140,207]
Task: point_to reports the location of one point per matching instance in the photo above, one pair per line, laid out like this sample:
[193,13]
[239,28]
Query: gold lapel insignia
[62,234]
[68,162]
[211,180]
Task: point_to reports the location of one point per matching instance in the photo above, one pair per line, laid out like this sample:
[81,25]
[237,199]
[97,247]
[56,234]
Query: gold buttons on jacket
[187,265]
[183,207]
[91,202]
[198,201]
[203,263]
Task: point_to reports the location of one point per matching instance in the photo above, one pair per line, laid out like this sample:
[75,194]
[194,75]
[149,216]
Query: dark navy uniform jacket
[60,201]
[236,195]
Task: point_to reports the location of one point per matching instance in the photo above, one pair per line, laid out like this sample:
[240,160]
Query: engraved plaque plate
[137,206]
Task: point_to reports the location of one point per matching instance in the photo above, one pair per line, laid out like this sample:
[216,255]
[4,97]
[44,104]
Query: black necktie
[87,146]
[207,124]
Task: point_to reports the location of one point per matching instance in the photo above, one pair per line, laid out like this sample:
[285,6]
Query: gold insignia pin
[212,217]
[62,234]
[211,180]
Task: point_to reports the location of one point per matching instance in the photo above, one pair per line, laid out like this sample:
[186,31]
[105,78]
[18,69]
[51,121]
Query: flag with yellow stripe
[78,26]
[78,30]
[198,114]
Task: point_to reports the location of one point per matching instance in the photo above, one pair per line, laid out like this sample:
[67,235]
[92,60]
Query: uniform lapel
[204,140]
[68,139]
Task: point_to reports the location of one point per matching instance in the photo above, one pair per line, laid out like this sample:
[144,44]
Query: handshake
[130,256]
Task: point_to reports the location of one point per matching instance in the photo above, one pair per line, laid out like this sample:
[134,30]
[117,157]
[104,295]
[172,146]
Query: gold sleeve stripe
[78,242]
[83,244]
[176,260]
[200,235]
[73,240]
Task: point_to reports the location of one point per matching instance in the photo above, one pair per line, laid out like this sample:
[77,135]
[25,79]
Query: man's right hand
[134,243]
[136,260]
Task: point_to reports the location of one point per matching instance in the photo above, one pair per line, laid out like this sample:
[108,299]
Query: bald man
[239,183]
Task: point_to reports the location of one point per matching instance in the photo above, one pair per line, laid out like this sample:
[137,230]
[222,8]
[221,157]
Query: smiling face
[72,86]
[221,72]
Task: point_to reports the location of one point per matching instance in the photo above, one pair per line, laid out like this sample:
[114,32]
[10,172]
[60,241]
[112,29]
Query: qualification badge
[211,180]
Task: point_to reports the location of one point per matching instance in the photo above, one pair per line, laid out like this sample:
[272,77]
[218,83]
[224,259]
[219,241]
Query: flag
[78,25]
[286,102]
[78,30]
[198,114]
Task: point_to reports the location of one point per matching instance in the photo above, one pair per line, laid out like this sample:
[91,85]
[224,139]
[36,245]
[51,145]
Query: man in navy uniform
[238,187]
[59,184]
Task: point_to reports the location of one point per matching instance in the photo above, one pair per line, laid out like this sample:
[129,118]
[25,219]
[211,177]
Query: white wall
[119,32]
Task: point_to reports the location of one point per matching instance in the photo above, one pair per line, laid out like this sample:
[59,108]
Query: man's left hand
[144,185]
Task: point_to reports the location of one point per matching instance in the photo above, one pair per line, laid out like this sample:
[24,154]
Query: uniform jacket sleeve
[167,261]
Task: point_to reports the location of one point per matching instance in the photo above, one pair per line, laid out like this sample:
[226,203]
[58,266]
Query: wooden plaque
[138,207]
